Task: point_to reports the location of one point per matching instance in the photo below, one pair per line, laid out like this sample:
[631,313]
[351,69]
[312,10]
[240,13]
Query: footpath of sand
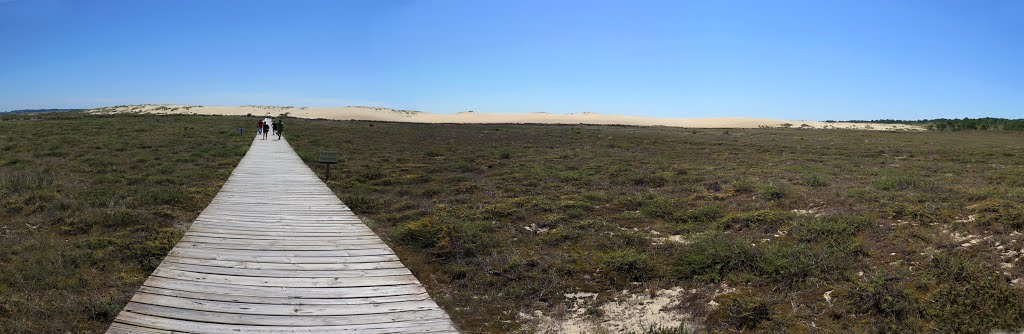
[392,115]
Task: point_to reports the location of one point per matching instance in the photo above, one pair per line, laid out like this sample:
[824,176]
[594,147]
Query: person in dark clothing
[266,130]
[279,127]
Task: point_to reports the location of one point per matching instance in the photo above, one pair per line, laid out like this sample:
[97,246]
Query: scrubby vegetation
[89,206]
[783,230]
[963,124]
[767,230]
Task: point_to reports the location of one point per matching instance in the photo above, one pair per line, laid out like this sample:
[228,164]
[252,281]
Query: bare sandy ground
[392,115]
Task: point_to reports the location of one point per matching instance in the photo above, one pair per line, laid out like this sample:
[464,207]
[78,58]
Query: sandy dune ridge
[410,116]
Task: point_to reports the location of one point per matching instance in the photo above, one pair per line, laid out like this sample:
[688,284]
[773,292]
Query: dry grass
[503,219]
[90,205]
[911,232]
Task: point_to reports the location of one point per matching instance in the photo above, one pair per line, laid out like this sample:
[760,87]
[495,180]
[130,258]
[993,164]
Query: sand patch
[626,312]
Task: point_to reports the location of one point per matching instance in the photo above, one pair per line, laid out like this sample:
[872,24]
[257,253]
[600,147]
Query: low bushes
[741,311]
[999,213]
[446,237]
[763,220]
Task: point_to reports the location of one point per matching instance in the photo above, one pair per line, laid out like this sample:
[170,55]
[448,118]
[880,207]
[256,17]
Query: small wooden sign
[329,157]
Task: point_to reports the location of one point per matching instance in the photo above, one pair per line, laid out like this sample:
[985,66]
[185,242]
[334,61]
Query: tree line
[963,124]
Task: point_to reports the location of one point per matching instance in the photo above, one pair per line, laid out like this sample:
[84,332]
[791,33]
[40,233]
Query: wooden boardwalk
[277,252]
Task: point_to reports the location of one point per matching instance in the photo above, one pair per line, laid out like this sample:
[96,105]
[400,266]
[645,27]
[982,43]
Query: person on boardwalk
[279,128]
[259,128]
[266,130]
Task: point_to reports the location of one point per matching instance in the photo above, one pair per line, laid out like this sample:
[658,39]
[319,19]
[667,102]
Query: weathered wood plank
[240,246]
[288,266]
[282,259]
[283,309]
[284,301]
[208,239]
[431,326]
[277,320]
[284,273]
[299,282]
[282,291]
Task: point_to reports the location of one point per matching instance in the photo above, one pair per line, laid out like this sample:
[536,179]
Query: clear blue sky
[813,59]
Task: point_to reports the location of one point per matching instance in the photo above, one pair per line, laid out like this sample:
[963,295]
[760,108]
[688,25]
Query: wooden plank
[278,320]
[271,237]
[119,328]
[187,244]
[430,326]
[283,259]
[287,266]
[288,234]
[339,242]
[199,251]
[298,282]
[284,301]
[284,273]
[255,224]
[283,309]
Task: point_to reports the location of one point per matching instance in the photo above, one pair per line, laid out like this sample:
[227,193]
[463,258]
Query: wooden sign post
[328,158]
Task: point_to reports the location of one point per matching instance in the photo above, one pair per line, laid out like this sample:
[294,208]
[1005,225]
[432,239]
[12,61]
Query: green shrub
[150,252]
[771,191]
[367,202]
[447,238]
[762,219]
[862,195]
[967,286]
[573,176]
[824,248]
[713,258]
[435,152]
[630,238]
[424,233]
[838,233]
[634,202]
[896,182]
[740,311]
[121,218]
[98,243]
[511,210]
[816,180]
[700,215]
[999,213]
[743,185]
[883,296]
[660,207]
[919,212]
[650,180]
[561,235]
[629,264]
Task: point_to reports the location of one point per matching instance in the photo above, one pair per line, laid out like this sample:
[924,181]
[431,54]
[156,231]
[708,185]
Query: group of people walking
[264,126]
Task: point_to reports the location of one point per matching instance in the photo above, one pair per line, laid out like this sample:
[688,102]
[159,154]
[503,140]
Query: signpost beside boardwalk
[328,158]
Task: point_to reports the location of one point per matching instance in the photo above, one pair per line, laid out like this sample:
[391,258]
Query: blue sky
[836,59]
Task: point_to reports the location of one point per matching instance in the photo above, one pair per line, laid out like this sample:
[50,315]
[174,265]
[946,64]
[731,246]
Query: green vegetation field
[90,205]
[910,231]
[904,231]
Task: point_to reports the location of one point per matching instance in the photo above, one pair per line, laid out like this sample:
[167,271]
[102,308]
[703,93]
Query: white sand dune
[392,115]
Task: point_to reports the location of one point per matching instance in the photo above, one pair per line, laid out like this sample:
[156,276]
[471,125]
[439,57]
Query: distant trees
[967,124]
[963,124]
